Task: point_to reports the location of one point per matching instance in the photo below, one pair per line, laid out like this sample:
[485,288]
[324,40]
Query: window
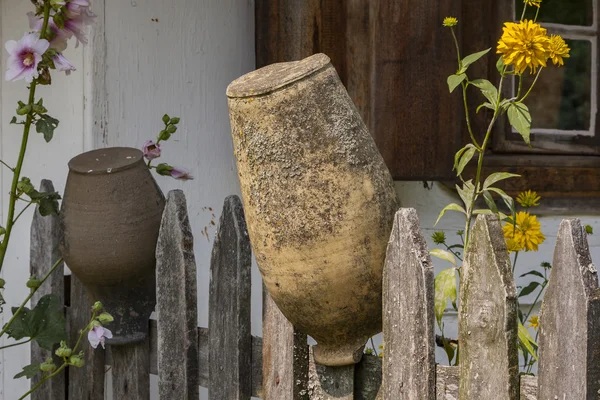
[394,57]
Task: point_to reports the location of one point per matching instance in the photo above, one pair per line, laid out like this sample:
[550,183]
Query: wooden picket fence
[235,365]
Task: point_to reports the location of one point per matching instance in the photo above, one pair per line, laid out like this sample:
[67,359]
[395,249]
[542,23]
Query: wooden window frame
[563,169]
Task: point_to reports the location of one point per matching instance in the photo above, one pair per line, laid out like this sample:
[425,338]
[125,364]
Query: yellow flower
[534,322]
[528,199]
[525,235]
[450,22]
[558,50]
[524,45]
[533,3]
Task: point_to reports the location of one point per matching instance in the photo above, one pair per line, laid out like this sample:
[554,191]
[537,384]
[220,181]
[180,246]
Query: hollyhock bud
[151,150]
[97,307]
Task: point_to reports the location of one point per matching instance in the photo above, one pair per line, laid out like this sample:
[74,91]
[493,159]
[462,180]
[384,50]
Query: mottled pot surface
[319,201]
[111,216]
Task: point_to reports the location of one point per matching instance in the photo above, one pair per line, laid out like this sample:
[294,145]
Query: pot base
[339,356]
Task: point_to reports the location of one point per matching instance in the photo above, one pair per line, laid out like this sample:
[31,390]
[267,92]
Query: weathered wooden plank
[285,356]
[488,317]
[45,236]
[131,371]
[529,387]
[408,313]
[86,382]
[229,337]
[176,307]
[569,341]
[446,385]
[367,378]
[330,383]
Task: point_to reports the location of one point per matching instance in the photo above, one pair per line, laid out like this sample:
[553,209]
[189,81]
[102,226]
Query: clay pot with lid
[319,201]
[111,214]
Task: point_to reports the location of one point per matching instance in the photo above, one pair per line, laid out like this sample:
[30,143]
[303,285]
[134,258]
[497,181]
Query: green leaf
[527,341]
[467,193]
[29,371]
[520,119]
[500,64]
[444,255]
[459,153]
[46,125]
[497,176]
[455,80]
[445,287]
[489,200]
[464,159]
[471,58]
[536,273]
[13,120]
[486,105]
[450,207]
[45,323]
[510,203]
[488,90]
[529,288]
[483,211]
[449,349]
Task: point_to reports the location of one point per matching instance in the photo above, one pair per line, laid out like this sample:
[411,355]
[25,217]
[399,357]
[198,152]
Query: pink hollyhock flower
[181,174]
[58,38]
[25,55]
[76,24]
[151,150]
[62,64]
[97,336]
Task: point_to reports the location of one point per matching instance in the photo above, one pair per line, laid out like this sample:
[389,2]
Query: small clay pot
[111,216]
[319,201]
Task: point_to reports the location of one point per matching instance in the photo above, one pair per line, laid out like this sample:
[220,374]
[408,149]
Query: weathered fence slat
[569,342]
[529,387]
[488,317]
[446,386]
[131,371]
[408,313]
[176,307]
[330,383]
[44,252]
[229,336]
[86,382]
[285,356]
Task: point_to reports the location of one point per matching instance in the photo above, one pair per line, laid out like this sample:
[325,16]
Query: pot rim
[276,76]
[106,161]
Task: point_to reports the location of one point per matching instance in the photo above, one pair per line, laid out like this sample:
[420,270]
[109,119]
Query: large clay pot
[111,216]
[319,201]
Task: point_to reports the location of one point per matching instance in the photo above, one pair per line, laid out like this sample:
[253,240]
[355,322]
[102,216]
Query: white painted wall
[180,65]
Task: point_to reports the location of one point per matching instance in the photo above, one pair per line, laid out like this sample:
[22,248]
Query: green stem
[56,264]
[21,213]
[480,160]
[515,261]
[536,14]
[44,379]
[520,85]
[524,8]
[536,300]
[532,85]
[7,166]
[17,170]
[452,251]
[374,349]
[457,47]
[16,344]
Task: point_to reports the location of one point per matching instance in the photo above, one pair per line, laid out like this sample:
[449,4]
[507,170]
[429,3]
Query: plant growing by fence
[33,58]
[524,48]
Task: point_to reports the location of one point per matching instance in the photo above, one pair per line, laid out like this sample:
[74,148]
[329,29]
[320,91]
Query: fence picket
[285,356]
[131,371]
[44,252]
[529,387]
[488,317]
[408,313]
[176,308]
[446,385]
[569,341]
[86,382]
[229,336]
[330,383]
